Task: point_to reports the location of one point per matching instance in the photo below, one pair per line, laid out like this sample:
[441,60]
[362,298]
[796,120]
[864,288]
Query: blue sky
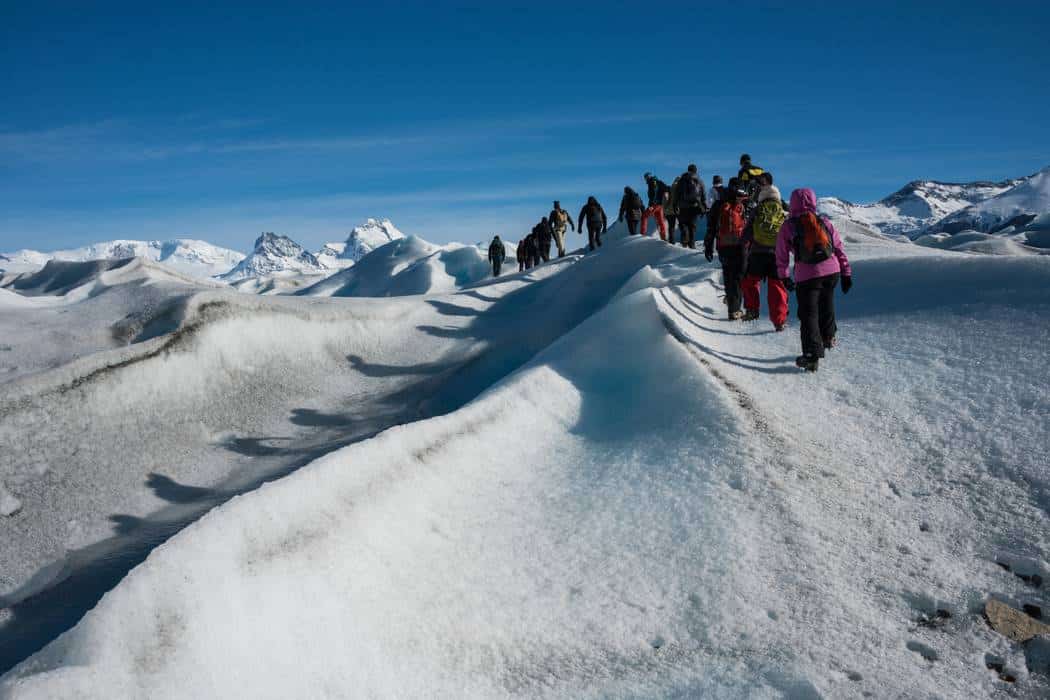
[157,120]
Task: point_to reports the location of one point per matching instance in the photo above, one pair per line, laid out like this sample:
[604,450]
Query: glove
[708,253]
[847,284]
[789,284]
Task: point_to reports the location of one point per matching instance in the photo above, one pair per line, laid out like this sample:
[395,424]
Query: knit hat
[692,168]
[769,192]
[716,180]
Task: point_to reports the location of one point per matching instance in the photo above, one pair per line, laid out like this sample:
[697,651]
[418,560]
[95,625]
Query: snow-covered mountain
[1016,208]
[187,256]
[275,254]
[374,233]
[406,266]
[916,206]
[329,256]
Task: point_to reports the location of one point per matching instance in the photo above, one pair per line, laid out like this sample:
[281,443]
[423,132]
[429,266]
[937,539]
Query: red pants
[656,210]
[777,297]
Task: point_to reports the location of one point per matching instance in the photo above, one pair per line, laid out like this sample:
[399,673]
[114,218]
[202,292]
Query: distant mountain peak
[275,253]
[365,238]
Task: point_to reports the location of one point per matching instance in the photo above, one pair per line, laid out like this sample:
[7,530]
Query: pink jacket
[803,200]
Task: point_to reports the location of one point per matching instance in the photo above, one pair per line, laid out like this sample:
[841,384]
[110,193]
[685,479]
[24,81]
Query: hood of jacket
[803,200]
[768,192]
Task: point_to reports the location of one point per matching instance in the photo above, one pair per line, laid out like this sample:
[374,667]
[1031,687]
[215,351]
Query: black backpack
[634,201]
[689,192]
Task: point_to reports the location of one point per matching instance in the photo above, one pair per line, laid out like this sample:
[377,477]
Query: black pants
[521,265]
[632,226]
[816,310]
[687,220]
[594,234]
[545,250]
[672,221]
[732,259]
[497,265]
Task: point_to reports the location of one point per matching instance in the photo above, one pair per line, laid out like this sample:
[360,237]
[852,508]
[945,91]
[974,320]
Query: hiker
[671,209]
[521,255]
[692,204]
[597,223]
[748,179]
[657,191]
[544,234]
[820,262]
[729,231]
[532,252]
[496,255]
[760,260]
[715,193]
[559,219]
[631,208]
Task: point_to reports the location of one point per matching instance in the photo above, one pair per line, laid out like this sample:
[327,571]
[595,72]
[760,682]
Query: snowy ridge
[1015,208]
[275,254]
[576,482]
[187,256]
[407,266]
[916,206]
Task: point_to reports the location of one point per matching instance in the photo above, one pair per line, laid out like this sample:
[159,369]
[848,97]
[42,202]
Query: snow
[408,266]
[374,233]
[915,207]
[187,256]
[1021,204]
[579,481]
[275,254]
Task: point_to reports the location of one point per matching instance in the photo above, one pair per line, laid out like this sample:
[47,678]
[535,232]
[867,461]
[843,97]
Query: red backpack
[730,224]
[813,245]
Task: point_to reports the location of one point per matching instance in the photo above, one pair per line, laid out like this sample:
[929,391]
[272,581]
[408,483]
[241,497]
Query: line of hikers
[754,231]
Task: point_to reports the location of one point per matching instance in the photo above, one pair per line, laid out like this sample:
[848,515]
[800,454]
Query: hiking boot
[736,315]
[780,327]
[807,362]
[829,343]
[751,315]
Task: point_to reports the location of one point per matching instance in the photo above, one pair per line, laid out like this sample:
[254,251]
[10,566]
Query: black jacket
[544,233]
[686,202]
[658,191]
[594,214]
[631,206]
[496,251]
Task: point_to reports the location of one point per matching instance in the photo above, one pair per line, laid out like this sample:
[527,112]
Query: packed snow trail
[244,391]
[657,504]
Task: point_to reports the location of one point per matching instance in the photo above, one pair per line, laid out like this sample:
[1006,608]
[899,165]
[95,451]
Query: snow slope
[73,309]
[1014,209]
[189,257]
[374,233]
[598,488]
[407,266]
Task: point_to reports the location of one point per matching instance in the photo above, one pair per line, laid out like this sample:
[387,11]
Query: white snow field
[408,266]
[187,256]
[576,482]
